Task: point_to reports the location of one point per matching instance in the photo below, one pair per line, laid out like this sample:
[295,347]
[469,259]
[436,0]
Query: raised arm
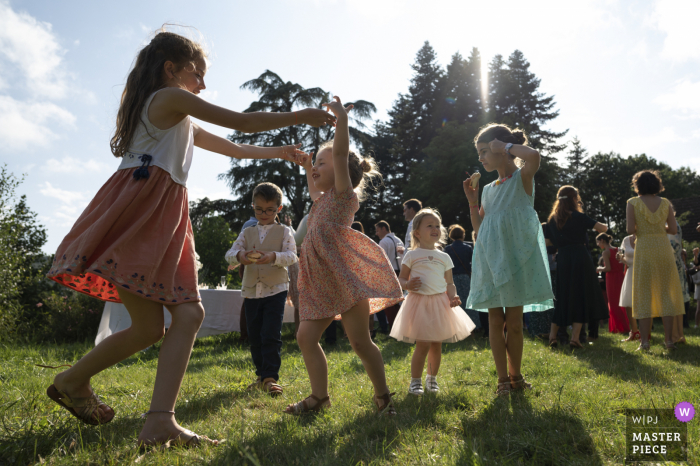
[341,145]
[600,227]
[530,156]
[471,190]
[314,192]
[179,101]
[211,142]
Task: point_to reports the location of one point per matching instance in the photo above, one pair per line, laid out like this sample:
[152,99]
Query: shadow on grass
[512,432]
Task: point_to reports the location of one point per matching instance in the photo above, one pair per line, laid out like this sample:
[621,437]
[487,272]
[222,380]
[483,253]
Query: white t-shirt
[407,243]
[430,266]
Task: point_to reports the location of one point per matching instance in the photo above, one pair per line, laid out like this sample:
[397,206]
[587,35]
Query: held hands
[306,161]
[266,258]
[413,284]
[242,257]
[292,153]
[337,107]
[315,117]
[472,192]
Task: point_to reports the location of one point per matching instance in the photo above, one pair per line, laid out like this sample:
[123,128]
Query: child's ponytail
[363,171]
[146,77]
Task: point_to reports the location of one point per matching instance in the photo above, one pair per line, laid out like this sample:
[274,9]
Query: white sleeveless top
[171,148]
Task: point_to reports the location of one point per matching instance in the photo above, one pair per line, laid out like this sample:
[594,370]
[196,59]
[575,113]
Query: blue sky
[625,75]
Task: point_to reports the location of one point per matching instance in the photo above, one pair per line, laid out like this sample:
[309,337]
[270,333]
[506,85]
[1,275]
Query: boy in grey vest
[266,249]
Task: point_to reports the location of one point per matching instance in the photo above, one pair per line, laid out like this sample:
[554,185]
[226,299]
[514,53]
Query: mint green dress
[510,266]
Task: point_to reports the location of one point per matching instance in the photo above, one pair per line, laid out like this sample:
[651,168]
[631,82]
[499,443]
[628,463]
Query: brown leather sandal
[85,409]
[575,344]
[518,383]
[257,385]
[387,406]
[553,343]
[303,405]
[270,386]
[503,388]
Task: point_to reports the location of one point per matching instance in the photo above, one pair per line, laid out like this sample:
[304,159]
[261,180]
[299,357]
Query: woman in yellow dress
[656,288]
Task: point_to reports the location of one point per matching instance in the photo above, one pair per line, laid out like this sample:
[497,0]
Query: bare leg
[498,342]
[435,357]
[645,330]
[418,359]
[553,331]
[172,363]
[678,328]
[146,329]
[354,321]
[310,332]
[668,328]
[514,339]
[576,330]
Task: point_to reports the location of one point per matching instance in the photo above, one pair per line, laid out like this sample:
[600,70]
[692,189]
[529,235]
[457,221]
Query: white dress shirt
[284,258]
[407,243]
[390,244]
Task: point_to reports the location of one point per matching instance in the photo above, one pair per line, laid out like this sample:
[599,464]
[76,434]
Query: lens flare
[450,100]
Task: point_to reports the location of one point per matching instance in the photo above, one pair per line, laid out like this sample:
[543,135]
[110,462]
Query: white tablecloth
[222,312]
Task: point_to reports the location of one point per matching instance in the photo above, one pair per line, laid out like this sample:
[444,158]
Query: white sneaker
[416,388]
[431,384]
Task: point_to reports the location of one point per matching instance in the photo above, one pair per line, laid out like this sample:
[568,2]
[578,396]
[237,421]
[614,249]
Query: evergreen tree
[577,164]
[460,96]
[276,95]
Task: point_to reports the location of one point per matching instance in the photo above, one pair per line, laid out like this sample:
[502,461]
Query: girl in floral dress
[341,271]
[134,243]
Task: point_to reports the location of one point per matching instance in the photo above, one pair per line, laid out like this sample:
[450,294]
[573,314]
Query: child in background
[266,249]
[510,267]
[341,271]
[134,243]
[431,314]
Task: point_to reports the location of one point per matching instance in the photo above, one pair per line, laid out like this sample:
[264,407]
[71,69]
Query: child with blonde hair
[430,315]
[341,271]
[134,244]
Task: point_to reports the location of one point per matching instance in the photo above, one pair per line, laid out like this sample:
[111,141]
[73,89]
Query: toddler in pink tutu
[431,315]
[134,243]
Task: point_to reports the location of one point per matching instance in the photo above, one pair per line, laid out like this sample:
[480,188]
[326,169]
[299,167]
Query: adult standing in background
[410,208]
[677,245]
[394,249]
[626,254]
[614,276]
[578,297]
[461,255]
[656,290]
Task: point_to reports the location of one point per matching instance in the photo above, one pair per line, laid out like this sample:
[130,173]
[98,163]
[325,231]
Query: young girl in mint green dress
[510,271]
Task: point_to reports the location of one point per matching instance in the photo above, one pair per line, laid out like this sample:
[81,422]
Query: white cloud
[25,124]
[684,97]
[678,19]
[72,204]
[29,46]
[72,165]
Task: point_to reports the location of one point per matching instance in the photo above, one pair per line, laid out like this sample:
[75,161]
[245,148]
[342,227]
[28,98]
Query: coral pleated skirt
[135,236]
[430,318]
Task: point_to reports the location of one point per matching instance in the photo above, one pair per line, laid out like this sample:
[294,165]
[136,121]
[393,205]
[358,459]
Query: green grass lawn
[574,415]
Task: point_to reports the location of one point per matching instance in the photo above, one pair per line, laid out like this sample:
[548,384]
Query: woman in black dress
[578,296]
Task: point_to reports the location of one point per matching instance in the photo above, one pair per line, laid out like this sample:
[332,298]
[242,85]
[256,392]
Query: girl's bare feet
[162,429]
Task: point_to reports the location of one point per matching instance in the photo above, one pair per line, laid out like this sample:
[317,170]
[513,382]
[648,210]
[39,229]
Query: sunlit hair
[456,232]
[503,133]
[363,171]
[604,237]
[647,182]
[268,192]
[568,200]
[148,76]
[358,226]
[426,212]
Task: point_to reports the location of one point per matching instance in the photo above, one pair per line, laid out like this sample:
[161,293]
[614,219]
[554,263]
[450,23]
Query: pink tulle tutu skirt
[430,318]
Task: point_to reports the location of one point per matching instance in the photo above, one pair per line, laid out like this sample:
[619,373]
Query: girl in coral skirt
[431,315]
[342,272]
[134,244]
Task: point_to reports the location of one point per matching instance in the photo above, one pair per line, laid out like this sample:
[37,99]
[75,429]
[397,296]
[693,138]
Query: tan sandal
[303,405]
[82,408]
[387,406]
[503,388]
[257,385]
[271,386]
[518,383]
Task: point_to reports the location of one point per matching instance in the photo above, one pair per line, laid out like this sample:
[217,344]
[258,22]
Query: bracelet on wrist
[475,206]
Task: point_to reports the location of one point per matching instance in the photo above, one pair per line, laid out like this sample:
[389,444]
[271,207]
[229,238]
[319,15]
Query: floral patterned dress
[339,266]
